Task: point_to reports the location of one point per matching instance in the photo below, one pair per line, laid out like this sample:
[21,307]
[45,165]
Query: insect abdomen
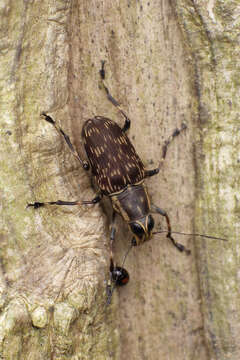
[114,161]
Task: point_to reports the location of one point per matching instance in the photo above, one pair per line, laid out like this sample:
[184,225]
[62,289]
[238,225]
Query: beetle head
[141,229]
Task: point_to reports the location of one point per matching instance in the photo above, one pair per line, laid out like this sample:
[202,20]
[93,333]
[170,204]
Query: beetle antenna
[125,256]
[190,234]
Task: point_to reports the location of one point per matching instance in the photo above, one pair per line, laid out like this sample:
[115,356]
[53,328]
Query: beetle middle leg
[180,247]
[165,146]
[94,201]
[127,123]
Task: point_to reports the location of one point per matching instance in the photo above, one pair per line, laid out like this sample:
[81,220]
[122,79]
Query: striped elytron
[112,157]
[119,174]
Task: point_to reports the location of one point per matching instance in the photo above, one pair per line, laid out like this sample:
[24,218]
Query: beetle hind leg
[179,246]
[48,118]
[165,146]
[127,123]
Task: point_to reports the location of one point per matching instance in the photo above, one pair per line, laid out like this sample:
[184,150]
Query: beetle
[120,175]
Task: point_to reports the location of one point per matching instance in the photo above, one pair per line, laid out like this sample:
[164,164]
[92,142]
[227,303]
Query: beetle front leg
[118,274]
[112,237]
[94,201]
[180,247]
[48,118]
[127,123]
[110,284]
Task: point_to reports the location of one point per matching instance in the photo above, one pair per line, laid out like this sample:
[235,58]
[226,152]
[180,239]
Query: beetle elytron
[119,174]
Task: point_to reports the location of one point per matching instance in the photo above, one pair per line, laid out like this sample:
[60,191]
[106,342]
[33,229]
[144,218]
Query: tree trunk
[167,62]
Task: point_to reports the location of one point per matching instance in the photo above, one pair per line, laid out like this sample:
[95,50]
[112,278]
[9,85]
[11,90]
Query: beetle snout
[142,229]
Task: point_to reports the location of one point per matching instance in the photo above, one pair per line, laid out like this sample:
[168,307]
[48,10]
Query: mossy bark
[212,32]
[167,62]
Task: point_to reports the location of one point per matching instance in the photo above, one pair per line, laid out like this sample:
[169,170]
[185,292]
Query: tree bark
[167,62]
[212,32]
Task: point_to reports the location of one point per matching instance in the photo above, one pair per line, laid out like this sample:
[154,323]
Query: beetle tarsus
[179,246]
[183,126]
[127,123]
[47,118]
[36,205]
[102,71]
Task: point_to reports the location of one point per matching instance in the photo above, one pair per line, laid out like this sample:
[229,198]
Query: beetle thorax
[132,203]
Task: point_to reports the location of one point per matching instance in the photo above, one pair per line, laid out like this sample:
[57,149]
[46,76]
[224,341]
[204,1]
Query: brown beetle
[119,174]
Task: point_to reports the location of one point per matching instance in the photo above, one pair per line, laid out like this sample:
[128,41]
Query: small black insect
[119,174]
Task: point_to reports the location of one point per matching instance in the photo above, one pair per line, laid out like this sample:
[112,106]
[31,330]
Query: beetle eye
[150,223]
[137,229]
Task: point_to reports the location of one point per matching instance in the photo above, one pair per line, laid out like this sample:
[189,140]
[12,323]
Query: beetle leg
[118,275]
[48,118]
[127,123]
[167,142]
[94,201]
[110,286]
[180,247]
[112,238]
